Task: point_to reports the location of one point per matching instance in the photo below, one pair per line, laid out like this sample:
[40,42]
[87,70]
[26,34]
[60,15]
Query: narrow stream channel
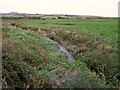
[70,57]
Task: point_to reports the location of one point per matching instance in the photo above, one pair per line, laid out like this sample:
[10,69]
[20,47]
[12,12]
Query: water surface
[70,57]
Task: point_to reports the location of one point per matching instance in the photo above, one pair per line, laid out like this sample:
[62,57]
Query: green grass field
[31,55]
[105,28]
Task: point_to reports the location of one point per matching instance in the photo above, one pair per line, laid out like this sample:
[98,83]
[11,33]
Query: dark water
[70,57]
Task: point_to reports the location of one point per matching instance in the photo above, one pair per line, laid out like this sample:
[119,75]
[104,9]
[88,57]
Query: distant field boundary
[43,16]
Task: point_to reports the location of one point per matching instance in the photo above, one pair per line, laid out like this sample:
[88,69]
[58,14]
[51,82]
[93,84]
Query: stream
[70,57]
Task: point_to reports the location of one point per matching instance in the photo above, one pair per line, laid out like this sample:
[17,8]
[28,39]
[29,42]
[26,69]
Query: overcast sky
[77,7]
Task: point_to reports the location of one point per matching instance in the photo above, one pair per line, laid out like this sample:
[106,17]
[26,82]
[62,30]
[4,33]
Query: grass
[105,28]
[33,59]
[24,60]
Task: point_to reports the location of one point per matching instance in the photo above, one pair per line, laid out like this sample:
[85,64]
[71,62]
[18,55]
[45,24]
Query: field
[32,58]
[105,28]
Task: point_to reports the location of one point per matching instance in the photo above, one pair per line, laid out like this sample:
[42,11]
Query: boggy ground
[31,58]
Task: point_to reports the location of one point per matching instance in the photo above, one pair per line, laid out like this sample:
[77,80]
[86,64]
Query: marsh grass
[35,60]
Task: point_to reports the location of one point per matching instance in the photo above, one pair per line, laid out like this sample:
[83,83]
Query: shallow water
[70,57]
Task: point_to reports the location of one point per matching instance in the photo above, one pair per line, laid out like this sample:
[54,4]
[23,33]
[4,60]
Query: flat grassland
[32,58]
[105,28]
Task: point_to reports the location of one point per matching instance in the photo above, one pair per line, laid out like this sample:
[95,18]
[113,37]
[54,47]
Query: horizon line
[57,14]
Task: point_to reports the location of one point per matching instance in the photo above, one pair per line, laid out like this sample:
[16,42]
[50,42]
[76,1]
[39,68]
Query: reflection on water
[70,57]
